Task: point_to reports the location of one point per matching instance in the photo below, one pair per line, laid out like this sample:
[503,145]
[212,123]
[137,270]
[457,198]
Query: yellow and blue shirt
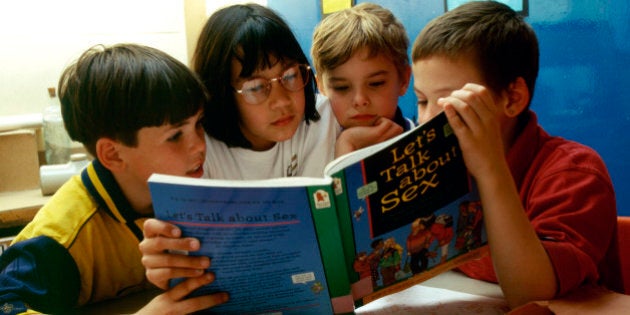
[81,247]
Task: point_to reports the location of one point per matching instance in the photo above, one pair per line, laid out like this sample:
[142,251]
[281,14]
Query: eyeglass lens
[257,90]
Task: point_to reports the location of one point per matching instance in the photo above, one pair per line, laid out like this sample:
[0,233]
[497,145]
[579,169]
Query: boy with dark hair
[548,203]
[138,111]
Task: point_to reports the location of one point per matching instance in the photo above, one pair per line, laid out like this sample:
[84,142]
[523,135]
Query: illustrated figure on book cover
[442,231]
[418,244]
[469,228]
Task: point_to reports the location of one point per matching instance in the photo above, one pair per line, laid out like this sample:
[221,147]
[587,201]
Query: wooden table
[17,208]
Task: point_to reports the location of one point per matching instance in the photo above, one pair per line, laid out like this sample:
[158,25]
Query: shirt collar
[525,147]
[401,120]
[104,188]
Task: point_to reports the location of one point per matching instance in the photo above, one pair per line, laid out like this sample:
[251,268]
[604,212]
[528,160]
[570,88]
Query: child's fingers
[184,288]
[154,227]
[174,259]
[478,98]
[195,304]
[453,117]
[386,129]
[474,106]
[160,276]
[175,301]
[456,108]
[390,133]
[160,244]
[482,99]
[162,266]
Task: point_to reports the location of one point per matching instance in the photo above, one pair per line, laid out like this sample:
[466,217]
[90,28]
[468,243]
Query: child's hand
[161,265]
[475,119]
[174,300]
[358,137]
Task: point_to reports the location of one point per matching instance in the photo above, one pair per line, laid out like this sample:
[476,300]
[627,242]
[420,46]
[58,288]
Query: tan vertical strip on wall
[195,17]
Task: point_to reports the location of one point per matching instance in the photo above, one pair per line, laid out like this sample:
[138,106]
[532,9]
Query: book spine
[330,246]
[345,223]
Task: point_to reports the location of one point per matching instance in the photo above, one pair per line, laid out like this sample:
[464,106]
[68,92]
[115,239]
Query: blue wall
[583,89]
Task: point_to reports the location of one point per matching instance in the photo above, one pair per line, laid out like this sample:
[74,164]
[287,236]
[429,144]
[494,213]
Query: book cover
[274,244]
[408,210]
[379,220]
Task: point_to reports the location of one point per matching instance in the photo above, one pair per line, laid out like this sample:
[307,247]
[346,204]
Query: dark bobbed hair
[501,43]
[115,91]
[256,37]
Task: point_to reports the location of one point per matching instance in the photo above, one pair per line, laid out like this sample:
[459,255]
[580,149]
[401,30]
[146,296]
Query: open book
[379,220]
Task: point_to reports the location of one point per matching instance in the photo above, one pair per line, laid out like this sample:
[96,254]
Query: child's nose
[199,141]
[279,96]
[361,99]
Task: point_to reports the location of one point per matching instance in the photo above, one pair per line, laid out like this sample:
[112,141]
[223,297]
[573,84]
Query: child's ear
[107,152]
[518,97]
[405,78]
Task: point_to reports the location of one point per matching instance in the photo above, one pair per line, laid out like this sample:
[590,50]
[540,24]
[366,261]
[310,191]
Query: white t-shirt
[305,154]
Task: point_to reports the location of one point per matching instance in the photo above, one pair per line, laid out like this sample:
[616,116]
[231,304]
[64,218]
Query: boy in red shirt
[549,204]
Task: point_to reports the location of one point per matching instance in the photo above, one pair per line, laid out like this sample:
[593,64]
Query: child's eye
[175,137]
[289,76]
[377,83]
[422,102]
[254,86]
[340,88]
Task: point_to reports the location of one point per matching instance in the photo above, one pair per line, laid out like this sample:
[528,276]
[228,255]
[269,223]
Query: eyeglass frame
[267,86]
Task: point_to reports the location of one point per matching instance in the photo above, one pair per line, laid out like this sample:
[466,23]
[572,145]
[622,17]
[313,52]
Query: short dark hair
[503,45]
[115,91]
[255,36]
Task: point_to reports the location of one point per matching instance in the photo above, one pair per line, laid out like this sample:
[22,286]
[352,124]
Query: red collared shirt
[568,196]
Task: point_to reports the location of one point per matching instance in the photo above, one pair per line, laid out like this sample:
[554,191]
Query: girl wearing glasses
[263,119]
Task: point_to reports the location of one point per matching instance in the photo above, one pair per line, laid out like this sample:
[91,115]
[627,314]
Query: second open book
[379,220]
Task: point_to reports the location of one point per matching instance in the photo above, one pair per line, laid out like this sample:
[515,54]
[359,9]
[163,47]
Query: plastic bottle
[57,143]
[51,177]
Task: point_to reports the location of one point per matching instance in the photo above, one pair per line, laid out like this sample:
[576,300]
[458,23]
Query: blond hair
[342,34]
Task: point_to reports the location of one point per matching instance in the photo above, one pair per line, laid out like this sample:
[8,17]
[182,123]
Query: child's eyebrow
[374,74]
[444,90]
[336,79]
[377,73]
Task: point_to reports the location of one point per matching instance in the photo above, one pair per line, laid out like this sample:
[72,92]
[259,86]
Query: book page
[262,243]
[294,181]
[421,299]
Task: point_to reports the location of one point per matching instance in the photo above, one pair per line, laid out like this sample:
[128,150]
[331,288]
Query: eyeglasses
[256,91]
